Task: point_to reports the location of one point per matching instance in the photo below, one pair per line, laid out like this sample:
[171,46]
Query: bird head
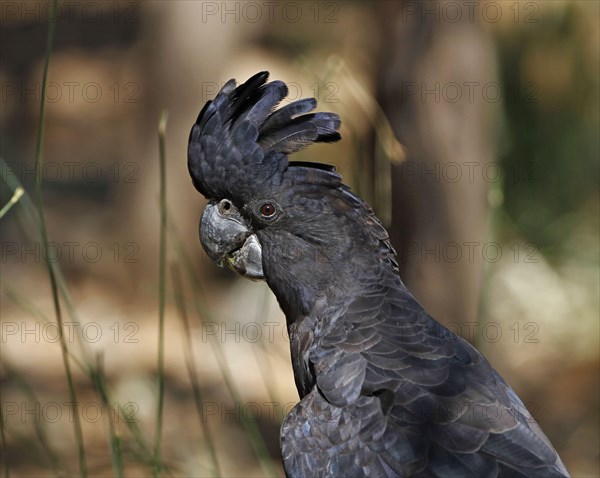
[291,223]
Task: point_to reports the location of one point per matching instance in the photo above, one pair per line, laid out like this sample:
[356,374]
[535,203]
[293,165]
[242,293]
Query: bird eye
[267,210]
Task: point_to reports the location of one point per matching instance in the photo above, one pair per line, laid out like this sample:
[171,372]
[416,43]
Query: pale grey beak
[227,239]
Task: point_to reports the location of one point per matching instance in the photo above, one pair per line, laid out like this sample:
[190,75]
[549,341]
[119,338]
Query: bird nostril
[225,206]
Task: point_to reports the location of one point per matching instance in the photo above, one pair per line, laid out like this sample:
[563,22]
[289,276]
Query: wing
[397,394]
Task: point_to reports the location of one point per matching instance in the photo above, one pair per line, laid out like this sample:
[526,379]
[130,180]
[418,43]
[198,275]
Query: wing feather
[425,402]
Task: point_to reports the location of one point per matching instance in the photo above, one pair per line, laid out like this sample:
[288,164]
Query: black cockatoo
[385,389]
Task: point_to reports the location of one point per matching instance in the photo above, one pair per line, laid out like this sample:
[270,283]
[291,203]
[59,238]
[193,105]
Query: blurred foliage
[549,150]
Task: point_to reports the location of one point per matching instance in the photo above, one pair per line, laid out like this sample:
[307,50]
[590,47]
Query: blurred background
[471,127]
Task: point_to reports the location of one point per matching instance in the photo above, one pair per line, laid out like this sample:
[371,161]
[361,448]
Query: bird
[385,390]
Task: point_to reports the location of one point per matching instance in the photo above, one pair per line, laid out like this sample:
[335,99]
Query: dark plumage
[385,389]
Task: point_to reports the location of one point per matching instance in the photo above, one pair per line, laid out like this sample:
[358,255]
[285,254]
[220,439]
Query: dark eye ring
[267,210]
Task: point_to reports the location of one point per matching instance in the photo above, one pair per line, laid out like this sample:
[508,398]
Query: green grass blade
[97,377]
[261,353]
[13,200]
[58,467]
[52,19]
[4,447]
[25,304]
[161,292]
[191,367]
[144,453]
[250,427]
[28,208]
